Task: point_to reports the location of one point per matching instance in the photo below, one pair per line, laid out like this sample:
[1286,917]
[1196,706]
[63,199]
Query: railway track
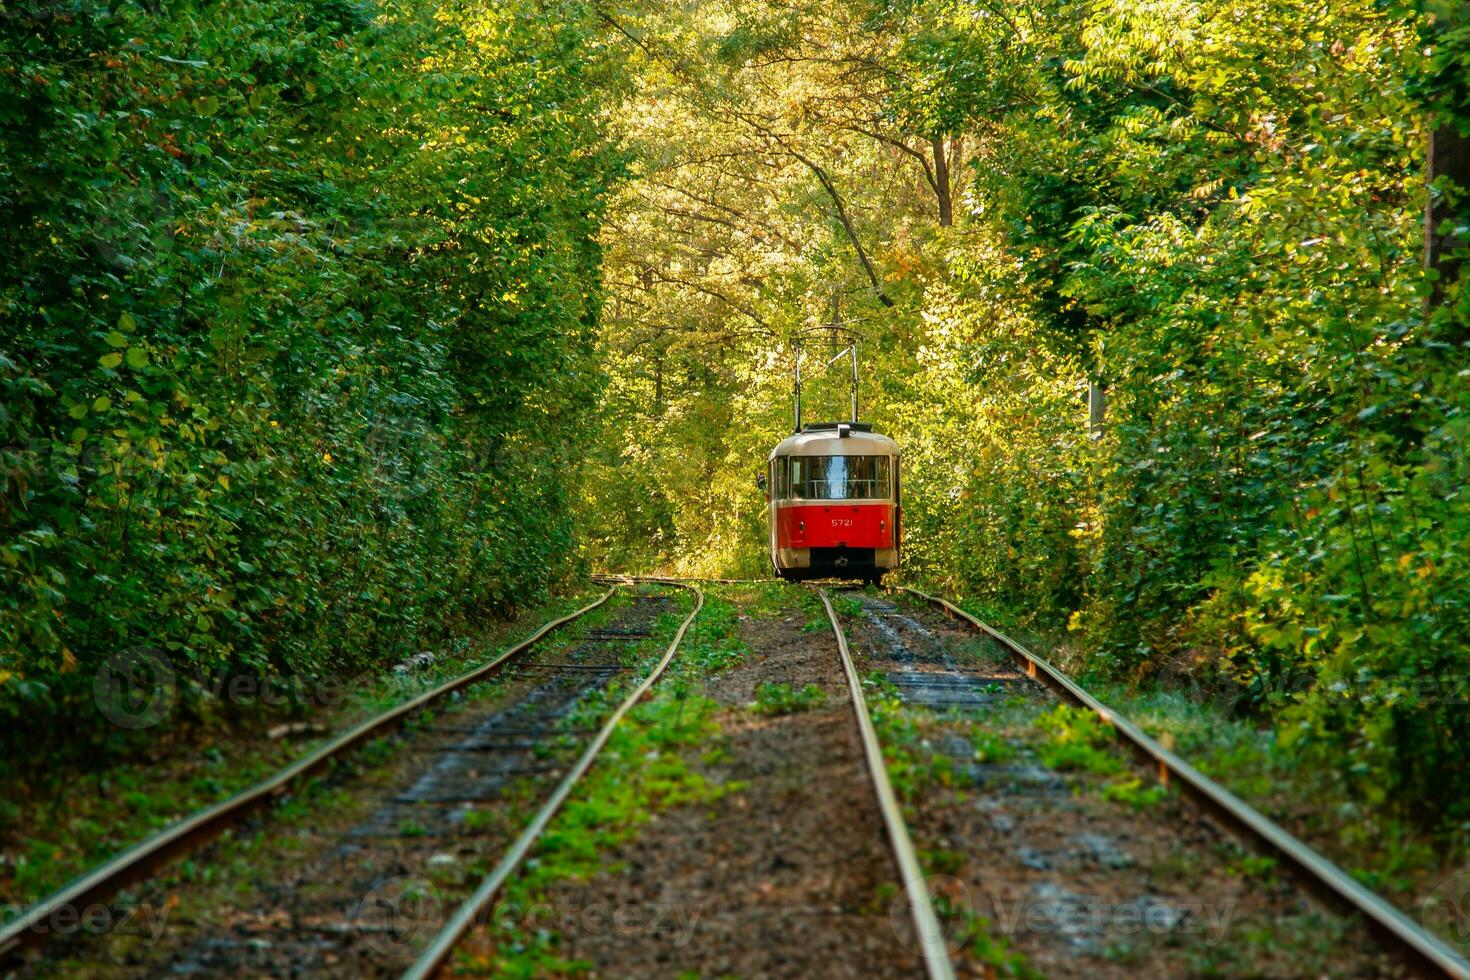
[482,752]
[475,908]
[486,751]
[943,685]
[29,930]
[1423,952]
[928,932]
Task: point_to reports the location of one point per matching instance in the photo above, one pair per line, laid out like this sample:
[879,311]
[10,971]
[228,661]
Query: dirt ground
[790,877]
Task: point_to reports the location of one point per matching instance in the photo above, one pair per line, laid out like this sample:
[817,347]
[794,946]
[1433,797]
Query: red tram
[833,499]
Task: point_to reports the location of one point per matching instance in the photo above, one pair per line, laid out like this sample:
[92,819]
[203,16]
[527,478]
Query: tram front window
[840,477]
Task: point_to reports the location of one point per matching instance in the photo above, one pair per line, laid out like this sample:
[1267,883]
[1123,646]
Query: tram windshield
[840,477]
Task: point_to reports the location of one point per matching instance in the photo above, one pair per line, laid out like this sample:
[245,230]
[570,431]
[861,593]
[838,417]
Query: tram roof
[824,439]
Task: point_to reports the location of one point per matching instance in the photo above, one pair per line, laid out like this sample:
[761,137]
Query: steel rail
[681,580]
[472,910]
[1426,953]
[141,860]
[926,923]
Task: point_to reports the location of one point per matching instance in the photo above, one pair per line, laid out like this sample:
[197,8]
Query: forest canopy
[1210,213]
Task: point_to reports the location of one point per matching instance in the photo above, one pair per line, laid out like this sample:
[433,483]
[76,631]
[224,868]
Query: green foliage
[713,643]
[1133,792]
[1214,210]
[299,301]
[978,939]
[989,747]
[775,700]
[914,768]
[642,771]
[1078,739]
[1259,866]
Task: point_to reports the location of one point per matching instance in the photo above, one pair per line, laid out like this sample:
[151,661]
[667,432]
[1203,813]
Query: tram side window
[780,484]
[840,477]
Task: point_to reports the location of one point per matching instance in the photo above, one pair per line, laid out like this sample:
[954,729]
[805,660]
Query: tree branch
[846,224]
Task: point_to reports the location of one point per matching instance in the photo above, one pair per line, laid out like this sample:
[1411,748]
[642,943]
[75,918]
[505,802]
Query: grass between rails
[48,840]
[916,770]
[1023,731]
[244,870]
[646,767]
[775,700]
[1379,846]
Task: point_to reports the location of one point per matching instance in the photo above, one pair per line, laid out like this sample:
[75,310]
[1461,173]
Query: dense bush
[297,302]
[1217,209]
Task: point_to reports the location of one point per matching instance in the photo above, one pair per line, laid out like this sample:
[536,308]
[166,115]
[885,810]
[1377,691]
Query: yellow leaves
[327,458]
[223,481]
[1209,189]
[6,675]
[1426,569]
[68,661]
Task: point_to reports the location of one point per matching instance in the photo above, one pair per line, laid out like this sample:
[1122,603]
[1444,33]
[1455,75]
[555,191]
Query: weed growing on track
[712,643]
[763,600]
[913,767]
[974,935]
[816,613]
[916,770]
[1076,739]
[644,769]
[990,747]
[775,700]
[1133,792]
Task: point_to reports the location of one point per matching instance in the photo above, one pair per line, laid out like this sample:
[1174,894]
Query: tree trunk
[1449,157]
[1097,408]
[942,187]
